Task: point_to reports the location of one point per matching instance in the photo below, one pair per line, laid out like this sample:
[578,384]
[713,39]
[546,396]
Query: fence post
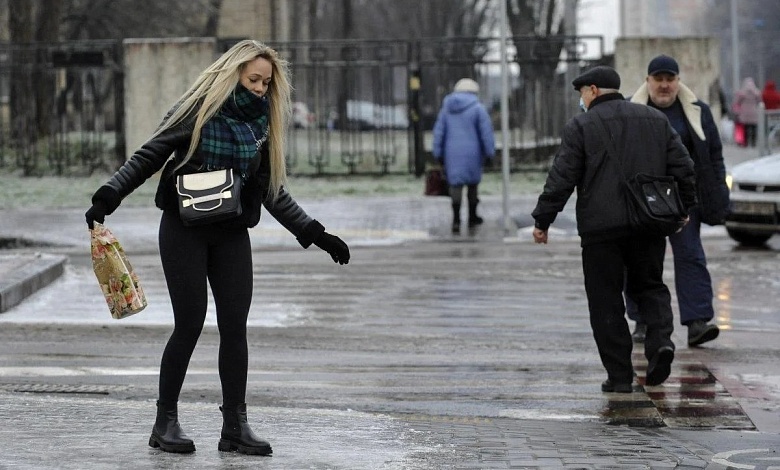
[761,141]
[416,118]
[120,145]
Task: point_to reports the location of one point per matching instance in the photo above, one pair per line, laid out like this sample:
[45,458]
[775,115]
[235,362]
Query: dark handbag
[209,197]
[436,183]
[654,204]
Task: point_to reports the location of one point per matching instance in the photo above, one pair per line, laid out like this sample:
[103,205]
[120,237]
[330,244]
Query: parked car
[365,115]
[302,117]
[755,200]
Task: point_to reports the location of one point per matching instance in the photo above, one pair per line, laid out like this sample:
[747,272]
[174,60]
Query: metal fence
[538,105]
[61,107]
[351,108]
[360,107]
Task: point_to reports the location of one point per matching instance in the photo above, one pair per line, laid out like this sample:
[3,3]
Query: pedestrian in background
[613,255]
[236,111]
[770,96]
[745,109]
[693,121]
[463,142]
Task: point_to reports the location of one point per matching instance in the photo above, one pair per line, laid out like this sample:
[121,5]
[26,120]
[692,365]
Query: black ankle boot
[474,219]
[455,218]
[237,435]
[167,434]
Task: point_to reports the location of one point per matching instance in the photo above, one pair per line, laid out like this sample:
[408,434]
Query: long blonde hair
[214,86]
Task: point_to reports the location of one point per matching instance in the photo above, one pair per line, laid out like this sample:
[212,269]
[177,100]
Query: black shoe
[699,332]
[456,227]
[476,220]
[660,366]
[610,387]
[640,331]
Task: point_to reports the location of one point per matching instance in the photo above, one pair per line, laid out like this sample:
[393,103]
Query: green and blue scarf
[235,134]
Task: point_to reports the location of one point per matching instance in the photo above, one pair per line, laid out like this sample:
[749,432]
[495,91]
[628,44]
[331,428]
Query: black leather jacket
[154,154]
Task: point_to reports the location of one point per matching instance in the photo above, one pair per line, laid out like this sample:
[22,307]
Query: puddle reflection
[723,288]
[690,398]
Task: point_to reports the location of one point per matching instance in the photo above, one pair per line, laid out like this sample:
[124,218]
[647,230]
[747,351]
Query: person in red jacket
[770,96]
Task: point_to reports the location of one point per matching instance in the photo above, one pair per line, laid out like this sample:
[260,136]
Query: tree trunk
[46,34]
[212,23]
[344,85]
[21,96]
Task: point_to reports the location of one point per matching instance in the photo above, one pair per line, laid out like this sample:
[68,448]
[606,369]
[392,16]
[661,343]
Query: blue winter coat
[462,137]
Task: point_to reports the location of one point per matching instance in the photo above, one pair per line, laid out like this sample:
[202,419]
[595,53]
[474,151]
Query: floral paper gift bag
[116,277]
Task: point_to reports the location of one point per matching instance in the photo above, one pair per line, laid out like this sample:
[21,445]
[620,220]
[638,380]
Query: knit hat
[467,85]
[602,76]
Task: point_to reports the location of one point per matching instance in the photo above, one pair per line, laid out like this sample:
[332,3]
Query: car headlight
[729,180]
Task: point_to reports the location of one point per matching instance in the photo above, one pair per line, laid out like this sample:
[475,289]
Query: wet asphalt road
[468,351]
[456,327]
[466,327]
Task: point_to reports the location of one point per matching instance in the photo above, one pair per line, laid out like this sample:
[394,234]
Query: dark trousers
[750,135]
[191,257]
[636,263]
[692,280]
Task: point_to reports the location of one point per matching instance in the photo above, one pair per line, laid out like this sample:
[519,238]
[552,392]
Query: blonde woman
[237,110]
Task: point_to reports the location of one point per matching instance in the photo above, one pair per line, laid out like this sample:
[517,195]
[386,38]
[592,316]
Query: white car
[755,200]
[366,115]
[302,117]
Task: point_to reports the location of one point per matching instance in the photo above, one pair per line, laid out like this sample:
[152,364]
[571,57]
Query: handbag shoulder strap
[611,151]
[255,163]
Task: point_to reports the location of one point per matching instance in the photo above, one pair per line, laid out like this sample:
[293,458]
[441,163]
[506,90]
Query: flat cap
[663,64]
[602,76]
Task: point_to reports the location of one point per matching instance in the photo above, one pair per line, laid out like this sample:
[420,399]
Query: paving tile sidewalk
[103,433]
[82,429]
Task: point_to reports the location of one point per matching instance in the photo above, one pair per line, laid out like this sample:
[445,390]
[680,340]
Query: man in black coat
[613,254]
[693,120]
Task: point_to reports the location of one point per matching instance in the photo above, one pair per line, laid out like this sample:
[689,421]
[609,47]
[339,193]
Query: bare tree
[31,104]
[37,29]
[347,27]
[212,21]
[117,19]
[47,17]
[21,32]
[541,23]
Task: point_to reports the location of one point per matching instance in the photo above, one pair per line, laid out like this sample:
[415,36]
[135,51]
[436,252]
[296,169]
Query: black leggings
[456,193]
[191,256]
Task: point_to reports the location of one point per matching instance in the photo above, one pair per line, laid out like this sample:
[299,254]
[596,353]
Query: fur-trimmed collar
[687,98]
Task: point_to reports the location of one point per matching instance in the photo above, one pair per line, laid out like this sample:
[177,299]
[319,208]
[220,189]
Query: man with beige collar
[693,120]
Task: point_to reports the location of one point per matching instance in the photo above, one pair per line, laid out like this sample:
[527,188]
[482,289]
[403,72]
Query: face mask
[582,105]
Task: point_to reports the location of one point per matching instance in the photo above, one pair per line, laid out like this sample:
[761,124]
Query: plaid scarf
[234,135]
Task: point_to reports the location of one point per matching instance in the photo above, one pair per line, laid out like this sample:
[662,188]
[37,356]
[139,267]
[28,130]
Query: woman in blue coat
[462,140]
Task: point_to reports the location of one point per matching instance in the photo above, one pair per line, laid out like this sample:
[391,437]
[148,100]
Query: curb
[23,275]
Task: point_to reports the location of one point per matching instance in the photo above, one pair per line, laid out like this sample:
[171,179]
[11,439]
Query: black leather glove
[335,246]
[96,213]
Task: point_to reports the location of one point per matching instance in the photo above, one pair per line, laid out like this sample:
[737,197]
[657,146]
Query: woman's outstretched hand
[335,246]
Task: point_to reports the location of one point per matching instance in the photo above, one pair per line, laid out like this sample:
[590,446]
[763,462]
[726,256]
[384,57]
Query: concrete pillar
[157,73]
